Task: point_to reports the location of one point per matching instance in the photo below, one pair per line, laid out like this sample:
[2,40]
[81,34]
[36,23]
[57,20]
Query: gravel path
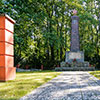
[68,86]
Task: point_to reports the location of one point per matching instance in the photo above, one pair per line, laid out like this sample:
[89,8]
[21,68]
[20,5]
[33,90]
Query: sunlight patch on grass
[96,74]
[24,83]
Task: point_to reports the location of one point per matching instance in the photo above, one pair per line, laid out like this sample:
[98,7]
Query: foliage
[42,29]
[96,74]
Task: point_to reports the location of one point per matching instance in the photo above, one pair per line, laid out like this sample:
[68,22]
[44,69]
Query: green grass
[96,74]
[24,83]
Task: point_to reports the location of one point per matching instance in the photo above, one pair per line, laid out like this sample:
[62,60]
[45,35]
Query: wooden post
[7,69]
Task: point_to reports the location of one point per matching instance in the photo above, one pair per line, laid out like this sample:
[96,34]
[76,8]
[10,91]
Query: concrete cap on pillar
[9,18]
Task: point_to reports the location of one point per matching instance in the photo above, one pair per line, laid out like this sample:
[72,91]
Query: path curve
[76,85]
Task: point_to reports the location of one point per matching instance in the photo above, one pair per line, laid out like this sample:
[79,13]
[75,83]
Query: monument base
[74,68]
[74,56]
[74,62]
[8,73]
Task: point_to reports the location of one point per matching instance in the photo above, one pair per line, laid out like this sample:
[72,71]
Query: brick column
[7,69]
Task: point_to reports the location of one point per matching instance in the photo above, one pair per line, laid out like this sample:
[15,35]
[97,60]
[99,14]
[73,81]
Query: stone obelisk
[75,45]
[74,53]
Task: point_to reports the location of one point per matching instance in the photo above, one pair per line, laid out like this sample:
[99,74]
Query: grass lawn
[96,74]
[24,83]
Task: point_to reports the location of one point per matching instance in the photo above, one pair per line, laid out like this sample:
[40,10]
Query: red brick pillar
[7,69]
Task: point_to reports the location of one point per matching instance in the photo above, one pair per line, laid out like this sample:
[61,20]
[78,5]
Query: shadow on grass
[23,84]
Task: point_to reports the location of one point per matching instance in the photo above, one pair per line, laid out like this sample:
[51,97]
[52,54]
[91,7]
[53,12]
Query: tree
[42,33]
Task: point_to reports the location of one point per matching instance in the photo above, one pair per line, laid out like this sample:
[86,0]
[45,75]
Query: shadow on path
[68,86]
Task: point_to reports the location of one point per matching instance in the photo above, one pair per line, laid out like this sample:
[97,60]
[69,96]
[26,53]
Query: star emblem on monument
[74,12]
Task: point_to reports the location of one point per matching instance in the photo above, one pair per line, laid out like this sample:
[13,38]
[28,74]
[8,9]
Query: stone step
[74,68]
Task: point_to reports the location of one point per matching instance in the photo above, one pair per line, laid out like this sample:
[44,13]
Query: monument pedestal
[74,62]
[74,68]
[7,69]
[71,56]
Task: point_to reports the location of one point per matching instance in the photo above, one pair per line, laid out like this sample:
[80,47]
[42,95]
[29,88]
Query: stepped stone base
[74,68]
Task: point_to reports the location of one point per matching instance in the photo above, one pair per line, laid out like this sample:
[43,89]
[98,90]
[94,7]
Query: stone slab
[74,68]
[70,56]
[74,64]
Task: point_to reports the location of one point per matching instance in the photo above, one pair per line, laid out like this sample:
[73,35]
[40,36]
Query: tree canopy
[43,29]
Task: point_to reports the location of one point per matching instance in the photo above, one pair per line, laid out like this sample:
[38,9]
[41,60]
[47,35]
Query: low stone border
[74,68]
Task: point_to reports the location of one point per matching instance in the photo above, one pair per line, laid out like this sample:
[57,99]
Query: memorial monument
[74,59]
[75,52]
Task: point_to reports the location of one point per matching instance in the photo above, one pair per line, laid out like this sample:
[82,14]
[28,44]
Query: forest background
[43,28]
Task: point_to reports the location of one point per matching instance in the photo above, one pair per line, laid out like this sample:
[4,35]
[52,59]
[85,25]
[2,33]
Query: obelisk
[74,53]
[75,45]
